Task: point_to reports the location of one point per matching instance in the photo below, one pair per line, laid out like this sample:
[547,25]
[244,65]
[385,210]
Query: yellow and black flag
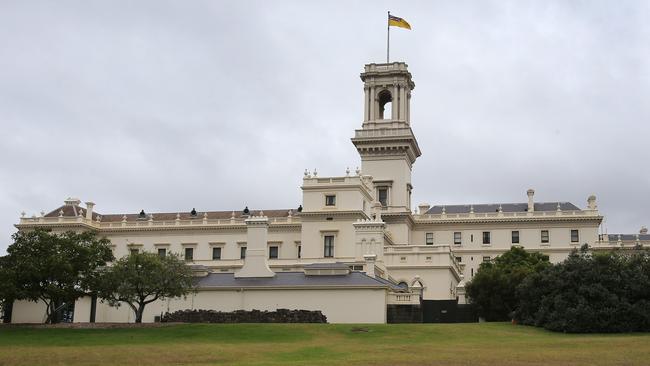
[397,22]
[393,21]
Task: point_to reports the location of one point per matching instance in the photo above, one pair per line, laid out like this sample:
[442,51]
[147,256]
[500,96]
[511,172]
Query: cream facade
[360,226]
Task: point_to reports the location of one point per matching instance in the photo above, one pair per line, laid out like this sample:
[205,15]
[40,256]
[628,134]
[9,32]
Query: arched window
[385,106]
[403,285]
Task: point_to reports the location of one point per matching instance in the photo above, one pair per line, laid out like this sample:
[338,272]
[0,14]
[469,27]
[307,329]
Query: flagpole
[388,38]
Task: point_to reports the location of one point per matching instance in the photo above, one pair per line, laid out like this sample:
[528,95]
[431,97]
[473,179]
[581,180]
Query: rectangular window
[216,253]
[457,238]
[487,259]
[382,194]
[189,254]
[459,259]
[544,236]
[242,253]
[299,251]
[328,246]
[575,237]
[162,252]
[273,252]
[429,238]
[486,237]
[515,237]
[134,251]
[356,268]
[330,200]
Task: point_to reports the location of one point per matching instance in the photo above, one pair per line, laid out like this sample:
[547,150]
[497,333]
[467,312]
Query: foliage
[492,290]
[142,278]
[54,268]
[589,292]
[7,282]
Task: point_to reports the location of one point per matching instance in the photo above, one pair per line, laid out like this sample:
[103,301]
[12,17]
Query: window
[382,195]
[457,238]
[242,253]
[189,254]
[134,251]
[515,237]
[459,259]
[487,259]
[385,109]
[471,238]
[328,246]
[330,200]
[216,253]
[575,237]
[356,268]
[486,237]
[299,251]
[162,252]
[429,238]
[544,236]
[273,252]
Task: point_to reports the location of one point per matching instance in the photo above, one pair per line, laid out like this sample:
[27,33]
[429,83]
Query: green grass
[319,344]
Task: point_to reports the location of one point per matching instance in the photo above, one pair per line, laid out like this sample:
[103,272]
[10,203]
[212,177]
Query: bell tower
[386,142]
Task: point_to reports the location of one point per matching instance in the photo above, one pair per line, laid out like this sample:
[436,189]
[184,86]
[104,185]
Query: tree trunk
[139,312]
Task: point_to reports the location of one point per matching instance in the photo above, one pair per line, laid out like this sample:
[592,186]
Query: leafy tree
[492,290]
[142,278]
[7,283]
[54,268]
[589,292]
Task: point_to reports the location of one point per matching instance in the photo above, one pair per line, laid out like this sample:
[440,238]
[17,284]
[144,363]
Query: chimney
[89,210]
[370,264]
[591,203]
[255,264]
[423,207]
[531,203]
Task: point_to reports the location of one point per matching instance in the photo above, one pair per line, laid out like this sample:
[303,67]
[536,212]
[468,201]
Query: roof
[291,279]
[73,210]
[505,207]
[336,265]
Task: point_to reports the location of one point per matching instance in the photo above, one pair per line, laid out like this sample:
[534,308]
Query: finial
[358,171]
[22,214]
[444,210]
[500,208]
[347,171]
[246,211]
[232,215]
[306,173]
[261,213]
[290,213]
[205,215]
[124,218]
[315,173]
[60,213]
[42,213]
[193,212]
[81,212]
[178,216]
[99,218]
[471,209]
[558,207]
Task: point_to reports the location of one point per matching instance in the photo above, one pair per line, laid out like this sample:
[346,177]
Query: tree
[142,278]
[7,284]
[54,268]
[492,290]
[589,292]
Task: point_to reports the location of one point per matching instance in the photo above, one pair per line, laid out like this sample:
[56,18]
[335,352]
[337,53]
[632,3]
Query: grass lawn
[319,344]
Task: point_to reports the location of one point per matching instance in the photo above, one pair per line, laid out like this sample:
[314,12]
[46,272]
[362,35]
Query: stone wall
[243,316]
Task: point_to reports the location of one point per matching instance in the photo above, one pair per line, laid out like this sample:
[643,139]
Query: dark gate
[447,311]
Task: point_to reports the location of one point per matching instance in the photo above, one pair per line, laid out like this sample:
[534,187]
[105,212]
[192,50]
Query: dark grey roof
[336,265]
[614,237]
[289,279]
[505,207]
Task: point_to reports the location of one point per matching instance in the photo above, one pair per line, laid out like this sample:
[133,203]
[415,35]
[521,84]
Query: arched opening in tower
[385,104]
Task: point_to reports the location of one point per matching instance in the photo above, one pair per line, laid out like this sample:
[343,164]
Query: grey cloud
[216,105]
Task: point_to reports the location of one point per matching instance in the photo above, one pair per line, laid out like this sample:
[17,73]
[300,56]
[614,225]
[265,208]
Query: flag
[398,22]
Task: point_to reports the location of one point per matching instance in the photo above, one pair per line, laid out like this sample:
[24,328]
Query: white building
[355,246]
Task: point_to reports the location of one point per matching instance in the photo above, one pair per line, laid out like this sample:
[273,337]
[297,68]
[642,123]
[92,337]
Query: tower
[386,142]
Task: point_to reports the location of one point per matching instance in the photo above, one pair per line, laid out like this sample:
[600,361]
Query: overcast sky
[166,106]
